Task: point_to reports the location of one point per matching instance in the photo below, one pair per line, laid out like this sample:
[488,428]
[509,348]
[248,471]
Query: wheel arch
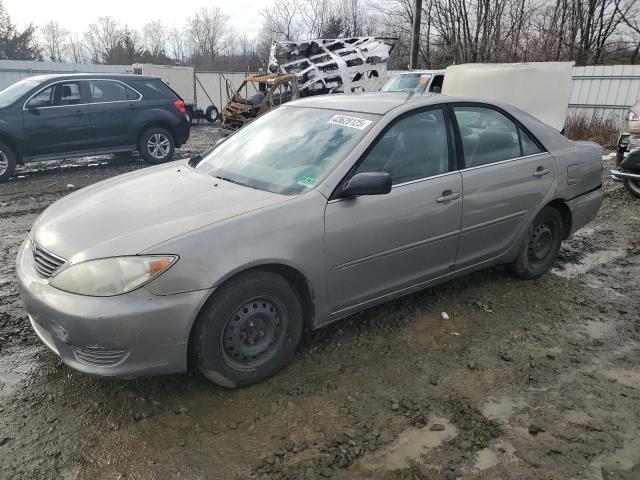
[567,216]
[10,142]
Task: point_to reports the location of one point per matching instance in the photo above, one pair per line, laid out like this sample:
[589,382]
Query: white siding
[12,71]
[211,88]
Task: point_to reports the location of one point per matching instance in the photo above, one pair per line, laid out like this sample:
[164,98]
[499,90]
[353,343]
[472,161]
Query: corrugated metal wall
[12,71]
[605,91]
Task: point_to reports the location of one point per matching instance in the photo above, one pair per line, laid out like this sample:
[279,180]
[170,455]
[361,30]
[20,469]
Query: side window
[529,147]
[436,84]
[415,147]
[487,135]
[66,93]
[43,98]
[109,91]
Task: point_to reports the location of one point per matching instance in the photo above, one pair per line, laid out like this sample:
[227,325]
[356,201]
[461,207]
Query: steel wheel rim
[254,333]
[158,145]
[540,243]
[4,163]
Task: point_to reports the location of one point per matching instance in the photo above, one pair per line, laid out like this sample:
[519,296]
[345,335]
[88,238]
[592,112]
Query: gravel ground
[525,380]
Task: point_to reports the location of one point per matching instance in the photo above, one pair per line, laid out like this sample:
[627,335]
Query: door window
[59,94]
[436,85]
[529,147]
[109,91]
[414,147]
[487,135]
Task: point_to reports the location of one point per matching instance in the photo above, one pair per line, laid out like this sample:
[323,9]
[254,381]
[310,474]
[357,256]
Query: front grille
[46,263]
[99,357]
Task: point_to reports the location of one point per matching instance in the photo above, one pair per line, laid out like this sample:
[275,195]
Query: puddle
[588,262]
[15,365]
[628,378]
[501,409]
[486,459]
[409,447]
[598,330]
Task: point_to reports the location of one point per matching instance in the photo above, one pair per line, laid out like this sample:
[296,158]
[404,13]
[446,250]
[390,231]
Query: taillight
[179,104]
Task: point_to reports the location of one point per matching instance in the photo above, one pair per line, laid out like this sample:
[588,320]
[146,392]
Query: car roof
[94,75]
[378,103]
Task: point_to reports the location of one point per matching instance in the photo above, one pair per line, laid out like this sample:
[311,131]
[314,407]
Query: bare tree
[102,37]
[283,20]
[76,49]
[155,38]
[55,38]
[208,31]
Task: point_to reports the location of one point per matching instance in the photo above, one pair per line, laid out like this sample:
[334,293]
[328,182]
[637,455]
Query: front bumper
[125,336]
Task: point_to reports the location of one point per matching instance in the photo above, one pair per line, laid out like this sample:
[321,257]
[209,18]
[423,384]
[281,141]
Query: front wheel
[248,330]
[633,186]
[7,162]
[540,246]
[157,145]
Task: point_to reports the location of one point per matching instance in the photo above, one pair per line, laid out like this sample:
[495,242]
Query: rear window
[153,88]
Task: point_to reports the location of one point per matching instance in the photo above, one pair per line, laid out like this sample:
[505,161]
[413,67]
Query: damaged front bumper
[124,336]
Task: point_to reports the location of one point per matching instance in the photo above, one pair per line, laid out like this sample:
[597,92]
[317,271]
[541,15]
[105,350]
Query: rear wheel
[7,162]
[632,186]
[540,246]
[157,145]
[248,330]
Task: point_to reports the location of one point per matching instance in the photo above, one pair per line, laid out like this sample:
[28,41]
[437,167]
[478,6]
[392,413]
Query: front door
[378,245]
[57,119]
[506,176]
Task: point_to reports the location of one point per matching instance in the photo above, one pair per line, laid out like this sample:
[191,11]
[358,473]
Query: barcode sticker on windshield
[351,122]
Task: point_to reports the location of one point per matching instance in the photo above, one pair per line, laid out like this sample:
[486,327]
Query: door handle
[541,172]
[447,196]
[79,113]
[131,107]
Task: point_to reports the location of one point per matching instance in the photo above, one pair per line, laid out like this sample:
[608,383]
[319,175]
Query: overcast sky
[75,15]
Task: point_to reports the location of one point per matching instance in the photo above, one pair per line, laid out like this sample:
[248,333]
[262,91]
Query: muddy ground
[525,380]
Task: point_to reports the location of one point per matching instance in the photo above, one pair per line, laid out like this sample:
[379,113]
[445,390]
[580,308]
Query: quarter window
[529,147]
[109,91]
[415,147]
[487,135]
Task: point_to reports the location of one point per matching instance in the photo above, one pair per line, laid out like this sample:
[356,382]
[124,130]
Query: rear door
[113,109]
[377,245]
[57,119]
[505,178]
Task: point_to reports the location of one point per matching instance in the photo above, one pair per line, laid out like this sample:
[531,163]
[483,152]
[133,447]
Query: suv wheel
[7,162]
[540,246]
[157,145]
[248,330]
[632,186]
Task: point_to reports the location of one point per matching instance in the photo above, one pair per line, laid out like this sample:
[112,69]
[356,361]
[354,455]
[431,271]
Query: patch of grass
[593,128]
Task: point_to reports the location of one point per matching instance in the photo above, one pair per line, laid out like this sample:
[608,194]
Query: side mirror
[35,104]
[367,183]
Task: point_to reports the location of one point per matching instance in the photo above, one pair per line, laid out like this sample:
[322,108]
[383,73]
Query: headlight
[111,276]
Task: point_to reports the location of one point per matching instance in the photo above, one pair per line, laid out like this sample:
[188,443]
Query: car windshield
[288,150]
[15,91]
[407,82]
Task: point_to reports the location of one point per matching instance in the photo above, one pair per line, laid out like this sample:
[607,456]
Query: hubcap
[541,243]
[158,146]
[253,333]
[4,163]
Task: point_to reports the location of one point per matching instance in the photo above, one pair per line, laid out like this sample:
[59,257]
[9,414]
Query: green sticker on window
[307,181]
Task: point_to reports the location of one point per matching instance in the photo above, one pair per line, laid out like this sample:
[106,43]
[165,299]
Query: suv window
[487,135]
[59,94]
[154,88]
[414,147]
[110,91]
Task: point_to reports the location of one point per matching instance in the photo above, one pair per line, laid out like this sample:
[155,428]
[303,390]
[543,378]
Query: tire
[211,113]
[157,145]
[248,330]
[7,162]
[632,186]
[540,246]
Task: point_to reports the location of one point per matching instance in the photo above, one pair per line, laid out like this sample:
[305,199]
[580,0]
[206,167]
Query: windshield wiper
[226,179]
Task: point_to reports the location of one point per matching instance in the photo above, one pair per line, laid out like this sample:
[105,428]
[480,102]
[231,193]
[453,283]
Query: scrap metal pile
[343,65]
[314,67]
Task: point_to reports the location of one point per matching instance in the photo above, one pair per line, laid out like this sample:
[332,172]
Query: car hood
[133,212]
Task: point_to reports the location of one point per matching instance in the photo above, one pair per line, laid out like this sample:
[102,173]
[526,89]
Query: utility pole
[415,35]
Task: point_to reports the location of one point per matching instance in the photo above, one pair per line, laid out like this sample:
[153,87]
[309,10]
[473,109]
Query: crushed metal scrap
[314,67]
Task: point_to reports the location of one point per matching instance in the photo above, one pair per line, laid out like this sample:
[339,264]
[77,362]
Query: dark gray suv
[58,116]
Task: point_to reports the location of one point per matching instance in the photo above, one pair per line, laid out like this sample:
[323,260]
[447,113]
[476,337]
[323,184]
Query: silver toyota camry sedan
[319,209]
